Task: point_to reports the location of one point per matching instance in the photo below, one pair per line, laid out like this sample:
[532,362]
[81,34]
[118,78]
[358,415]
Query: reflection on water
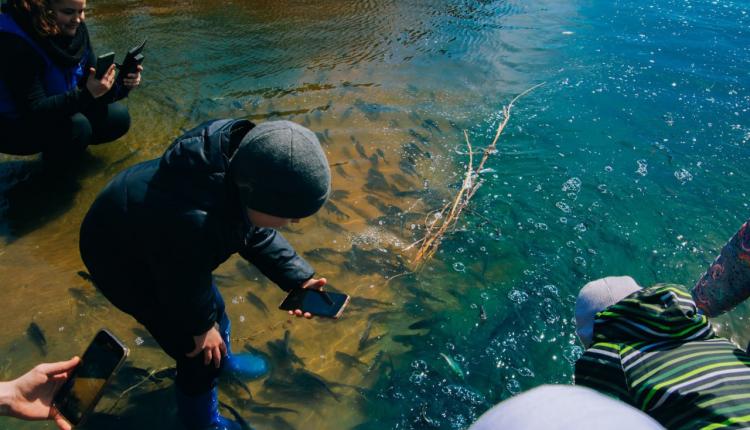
[616,166]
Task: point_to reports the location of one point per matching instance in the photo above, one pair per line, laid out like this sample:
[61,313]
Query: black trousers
[63,136]
[127,283]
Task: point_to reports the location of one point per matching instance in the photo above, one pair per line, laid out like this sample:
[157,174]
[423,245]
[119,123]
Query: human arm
[600,368]
[29,397]
[274,256]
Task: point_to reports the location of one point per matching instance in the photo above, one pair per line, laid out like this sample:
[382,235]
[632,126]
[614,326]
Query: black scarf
[65,51]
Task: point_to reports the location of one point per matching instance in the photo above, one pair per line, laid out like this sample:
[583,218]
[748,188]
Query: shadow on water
[34,192]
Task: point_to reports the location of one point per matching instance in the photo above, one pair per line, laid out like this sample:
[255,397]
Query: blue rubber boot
[245,365]
[201,412]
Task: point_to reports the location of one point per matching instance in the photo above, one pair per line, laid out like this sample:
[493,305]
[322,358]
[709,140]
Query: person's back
[653,350]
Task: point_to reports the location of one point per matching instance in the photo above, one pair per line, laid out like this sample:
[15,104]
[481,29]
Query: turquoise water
[629,160]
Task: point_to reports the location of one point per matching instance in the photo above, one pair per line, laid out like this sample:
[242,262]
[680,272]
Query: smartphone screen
[80,393]
[314,302]
[102,64]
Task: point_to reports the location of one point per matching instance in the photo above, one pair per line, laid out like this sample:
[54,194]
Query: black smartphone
[102,64]
[318,303]
[132,60]
[83,389]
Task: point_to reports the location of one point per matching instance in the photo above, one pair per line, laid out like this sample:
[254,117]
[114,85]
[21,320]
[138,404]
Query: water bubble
[551,288]
[563,220]
[417,378]
[642,167]
[541,226]
[419,365]
[139,341]
[608,169]
[602,188]
[242,318]
[513,386]
[580,228]
[525,371]
[683,175]
[572,185]
[459,267]
[563,207]
[518,296]
[573,353]
[460,250]
[580,261]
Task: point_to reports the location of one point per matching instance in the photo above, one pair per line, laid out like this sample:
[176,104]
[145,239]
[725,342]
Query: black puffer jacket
[175,219]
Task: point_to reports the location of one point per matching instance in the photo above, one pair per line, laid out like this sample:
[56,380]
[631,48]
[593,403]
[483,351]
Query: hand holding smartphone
[316,302]
[103,62]
[79,395]
[133,59]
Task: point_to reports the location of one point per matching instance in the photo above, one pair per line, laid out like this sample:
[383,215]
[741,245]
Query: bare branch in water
[443,222]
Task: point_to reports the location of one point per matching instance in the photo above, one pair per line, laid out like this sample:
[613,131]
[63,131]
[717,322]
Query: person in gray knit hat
[281,170]
[154,235]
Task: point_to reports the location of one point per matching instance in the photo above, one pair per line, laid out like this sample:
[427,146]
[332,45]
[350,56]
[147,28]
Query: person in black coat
[50,100]
[157,231]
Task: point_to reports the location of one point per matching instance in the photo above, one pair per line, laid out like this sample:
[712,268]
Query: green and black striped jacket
[654,351]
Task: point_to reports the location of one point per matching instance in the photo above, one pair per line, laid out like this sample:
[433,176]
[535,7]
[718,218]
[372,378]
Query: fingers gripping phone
[102,64]
[79,395]
[133,59]
[318,303]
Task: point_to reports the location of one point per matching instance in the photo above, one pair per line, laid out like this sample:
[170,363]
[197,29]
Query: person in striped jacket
[653,349]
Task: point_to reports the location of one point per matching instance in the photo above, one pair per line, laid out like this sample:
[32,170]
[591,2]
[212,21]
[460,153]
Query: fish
[322,254]
[89,300]
[340,171]
[365,336]
[334,226]
[233,381]
[376,181]
[381,154]
[305,378]
[430,124]
[256,301]
[282,351]
[453,366]
[351,361]
[375,361]
[35,333]
[482,314]
[237,417]
[167,373]
[339,194]
[421,138]
[85,276]
[331,208]
[425,323]
[373,160]
[408,165]
[364,302]
[358,146]
[265,410]
[423,293]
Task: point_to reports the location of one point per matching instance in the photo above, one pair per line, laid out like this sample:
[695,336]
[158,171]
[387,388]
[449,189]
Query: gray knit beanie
[280,169]
[597,296]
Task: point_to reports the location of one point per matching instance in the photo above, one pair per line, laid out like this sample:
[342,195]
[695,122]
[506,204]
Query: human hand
[312,283]
[212,346]
[30,396]
[99,87]
[133,79]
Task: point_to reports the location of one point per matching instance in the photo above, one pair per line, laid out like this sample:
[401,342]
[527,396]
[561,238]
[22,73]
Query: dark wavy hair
[37,13]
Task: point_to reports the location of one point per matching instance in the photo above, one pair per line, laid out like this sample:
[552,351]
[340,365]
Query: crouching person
[154,235]
[651,348]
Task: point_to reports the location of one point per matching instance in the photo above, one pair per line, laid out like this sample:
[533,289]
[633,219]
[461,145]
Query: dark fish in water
[364,302]
[88,300]
[281,424]
[351,361]
[423,293]
[234,382]
[322,254]
[376,360]
[358,146]
[334,227]
[85,276]
[381,316]
[282,351]
[382,207]
[430,124]
[222,278]
[365,336]
[35,333]
[341,172]
[376,181]
[237,417]
[482,314]
[265,410]
[331,208]
[339,194]
[373,160]
[421,138]
[340,163]
[408,166]
[256,301]
[304,378]
[381,154]
[168,373]
[406,339]
[425,323]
